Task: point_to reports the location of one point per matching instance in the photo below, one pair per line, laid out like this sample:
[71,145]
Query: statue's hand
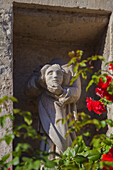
[65,96]
[55,89]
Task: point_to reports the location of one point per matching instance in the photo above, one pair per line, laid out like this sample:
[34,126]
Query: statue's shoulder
[68,74]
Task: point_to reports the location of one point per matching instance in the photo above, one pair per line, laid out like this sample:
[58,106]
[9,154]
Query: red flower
[97,106]
[111,150]
[103,85]
[89,103]
[111,66]
[101,90]
[104,93]
[109,97]
[8,168]
[108,157]
[110,168]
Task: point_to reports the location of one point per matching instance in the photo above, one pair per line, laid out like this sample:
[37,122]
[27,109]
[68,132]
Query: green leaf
[15,161]
[58,120]
[13,99]
[15,111]
[103,123]
[71,54]
[111,136]
[76,68]
[28,120]
[22,147]
[50,164]
[63,121]
[36,164]
[25,113]
[67,152]
[101,57]
[87,134]
[84,75]
[9,138]
[109,122]
[94,57]
[107,63]
[81,147]
[79,53]
[82,64]
[77,141]
[96,142]
[90,83]
[74,78]
[71,123]
[80,159]
[3,120]
[108,163]
[96,123]
[104,79]
[70,62]
[107,141]
[5,157]
[26,159]
[76,148]
[5,98]
[87,166]
[93,155]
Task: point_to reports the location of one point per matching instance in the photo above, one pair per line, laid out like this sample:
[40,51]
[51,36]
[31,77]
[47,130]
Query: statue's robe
[51,108]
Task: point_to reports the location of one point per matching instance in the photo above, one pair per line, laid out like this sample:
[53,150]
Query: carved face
[54,75]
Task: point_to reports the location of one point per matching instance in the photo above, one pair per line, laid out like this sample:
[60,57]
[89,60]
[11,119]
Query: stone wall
[87,4]
[6,69]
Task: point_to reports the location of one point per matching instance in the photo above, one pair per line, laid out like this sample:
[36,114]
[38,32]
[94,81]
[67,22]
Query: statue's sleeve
[33,88]
[71,93]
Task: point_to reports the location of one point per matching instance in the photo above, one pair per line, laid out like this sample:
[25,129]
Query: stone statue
[57,99]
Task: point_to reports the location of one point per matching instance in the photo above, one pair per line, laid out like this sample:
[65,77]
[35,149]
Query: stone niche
[43,33]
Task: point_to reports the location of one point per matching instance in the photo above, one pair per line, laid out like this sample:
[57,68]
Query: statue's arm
[72,93]
[75,90]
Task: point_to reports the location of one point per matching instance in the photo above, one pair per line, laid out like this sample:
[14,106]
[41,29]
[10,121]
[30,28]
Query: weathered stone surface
[6,80]
[57,100]
[88,4]
[108,54]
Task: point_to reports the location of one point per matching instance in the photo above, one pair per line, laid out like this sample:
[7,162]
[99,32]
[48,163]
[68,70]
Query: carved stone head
[53,78]
[54,75]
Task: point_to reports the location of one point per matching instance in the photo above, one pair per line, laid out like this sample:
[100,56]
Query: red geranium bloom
[111,150]
[109,97]
[111,67]
[104,93]
[89,103]
[105,168]
[97,106]
[101,90]
[108,157]
[103,85]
